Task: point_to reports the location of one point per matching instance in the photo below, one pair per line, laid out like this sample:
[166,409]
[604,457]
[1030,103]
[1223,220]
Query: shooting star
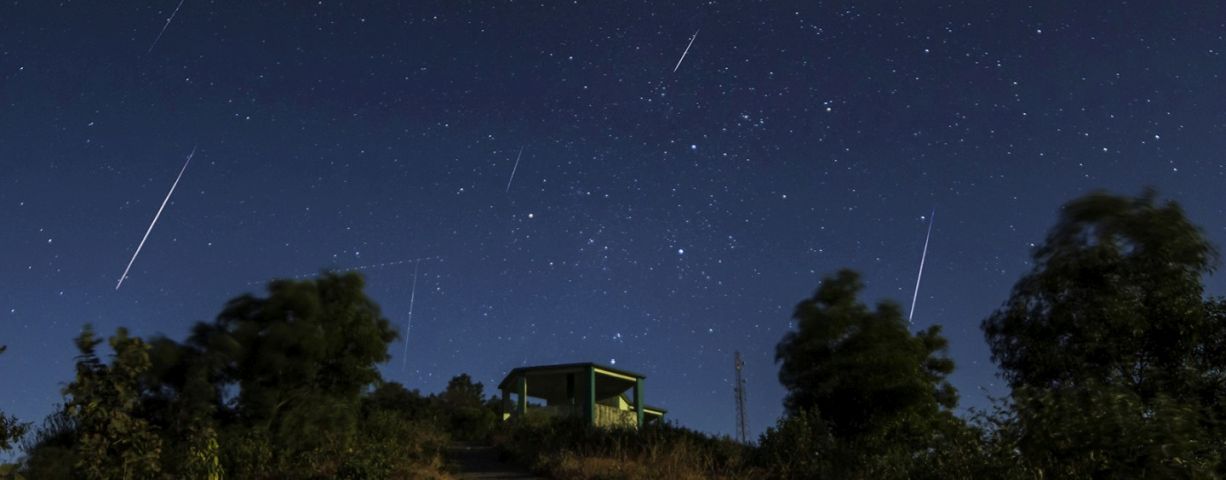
[923,256]
[164,27]
[404,357]
[358,268]
[513,169]
[687,50]
[155,219]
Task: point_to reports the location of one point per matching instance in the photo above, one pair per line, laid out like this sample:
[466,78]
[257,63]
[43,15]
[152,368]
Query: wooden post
[571,403]
[506,404]
[638,401]
[591,395]
[523,394]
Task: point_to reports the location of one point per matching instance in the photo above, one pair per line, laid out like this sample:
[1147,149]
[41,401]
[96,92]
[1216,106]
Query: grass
[570,449]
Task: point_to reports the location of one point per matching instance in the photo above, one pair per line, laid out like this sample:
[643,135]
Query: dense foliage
[468,413]
[11,429]
[275,387]
[1113,353]
[112,440]
[859,367]
[866,397]
[1115,298]
[1112,350]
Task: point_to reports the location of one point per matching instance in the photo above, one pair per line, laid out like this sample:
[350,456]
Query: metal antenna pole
[742,423]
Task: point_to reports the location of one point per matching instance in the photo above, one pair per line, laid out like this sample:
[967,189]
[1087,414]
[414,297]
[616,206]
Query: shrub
[390,446]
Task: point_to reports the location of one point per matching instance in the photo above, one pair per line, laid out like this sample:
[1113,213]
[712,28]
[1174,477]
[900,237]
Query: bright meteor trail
[404,358]
[513,169]
[168,20]
[687,50]
[155,219]
[923,256]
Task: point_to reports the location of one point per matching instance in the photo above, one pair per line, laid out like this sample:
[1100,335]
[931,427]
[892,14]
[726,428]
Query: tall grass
[569,448]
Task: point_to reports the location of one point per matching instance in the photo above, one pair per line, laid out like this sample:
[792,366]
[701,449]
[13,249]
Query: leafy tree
[300,359]
[858,367]
[798,446]
[273,388]
[389,445]
[1115,298]
[202,459]
[866,397]
[1112,351]
[1110,432]
[112,441]
[306,340]
[1211,391]
[462,391]
[183,399]
[470,417]
[393,397]
[49,452]
[248,453]
[10,428]
[10,431]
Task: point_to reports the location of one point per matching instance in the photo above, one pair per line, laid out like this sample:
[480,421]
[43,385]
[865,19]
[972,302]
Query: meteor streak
[923,256]
[513,169]
[370,266]
[408,326]
[155,219]
[168,20]
[687,50]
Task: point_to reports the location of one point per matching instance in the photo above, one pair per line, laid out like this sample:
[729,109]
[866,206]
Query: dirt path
[482,463]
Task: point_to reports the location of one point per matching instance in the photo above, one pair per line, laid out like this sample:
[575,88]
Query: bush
[796,447]
[472,423]
[909,447]
[390,446]
[246,453]
[1100,431]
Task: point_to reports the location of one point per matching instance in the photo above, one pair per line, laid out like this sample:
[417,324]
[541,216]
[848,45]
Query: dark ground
[481,462]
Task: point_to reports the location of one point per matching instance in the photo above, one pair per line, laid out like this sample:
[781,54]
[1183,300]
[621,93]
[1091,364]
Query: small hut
[596,393]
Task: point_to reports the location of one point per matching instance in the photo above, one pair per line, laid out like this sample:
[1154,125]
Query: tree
[273,388]
[300,359]
[10,428]
[393,397]
[857,367]
[1113,353]
[10,431]
[464,404]
[307,339]
[462,391]
[1108,431]
[49,451]
[1115,298]
[182,398]
[113,442]
[798,446]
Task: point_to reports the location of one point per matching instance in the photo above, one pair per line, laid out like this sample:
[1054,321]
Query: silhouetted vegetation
[276,387]
[11,429]
[569,448]
[1112,350]
[866,397]
[1114,354]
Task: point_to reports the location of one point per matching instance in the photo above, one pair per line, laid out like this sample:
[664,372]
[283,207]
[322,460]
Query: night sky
[657,220]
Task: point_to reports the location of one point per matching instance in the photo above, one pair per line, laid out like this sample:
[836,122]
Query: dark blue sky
[660,220]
